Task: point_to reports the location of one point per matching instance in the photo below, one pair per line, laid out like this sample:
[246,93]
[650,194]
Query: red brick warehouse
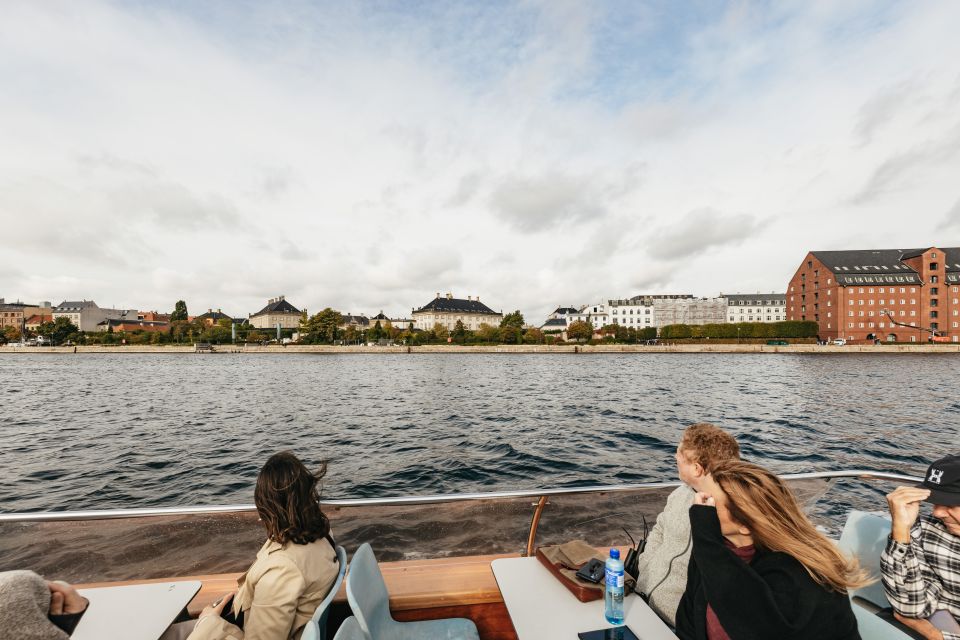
[893,295]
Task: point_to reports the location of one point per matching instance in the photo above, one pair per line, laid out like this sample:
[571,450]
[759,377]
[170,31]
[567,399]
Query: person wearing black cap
[920,566]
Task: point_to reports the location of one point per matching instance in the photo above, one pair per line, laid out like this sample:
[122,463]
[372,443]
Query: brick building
[894,295]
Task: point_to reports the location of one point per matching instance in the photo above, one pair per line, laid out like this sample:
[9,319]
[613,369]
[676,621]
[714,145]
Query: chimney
[449,296]
[209,310]
[282,298]
[438,295]
[468,298]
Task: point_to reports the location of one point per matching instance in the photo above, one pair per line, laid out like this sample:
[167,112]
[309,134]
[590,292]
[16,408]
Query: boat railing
[191,540]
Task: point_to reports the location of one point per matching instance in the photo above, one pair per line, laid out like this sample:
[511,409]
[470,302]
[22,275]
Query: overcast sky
[365,156]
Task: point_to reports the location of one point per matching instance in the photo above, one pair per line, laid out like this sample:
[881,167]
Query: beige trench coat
[278,594]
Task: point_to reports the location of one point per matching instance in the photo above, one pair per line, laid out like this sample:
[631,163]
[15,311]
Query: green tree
[579,330]
[487,333]
[440,332]
[512,320]
[57,331]
[533,336]
[459,332]
[322,327]
[179,311]
[377,332]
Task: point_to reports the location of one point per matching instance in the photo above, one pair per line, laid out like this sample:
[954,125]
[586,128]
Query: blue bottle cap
[615,554]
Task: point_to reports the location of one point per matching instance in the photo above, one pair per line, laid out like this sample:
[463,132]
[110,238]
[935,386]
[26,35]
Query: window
[934,279]
[913,313]
[913,289]
[933,302]
[881,289]
[850,324]
[850,301]
[861,325]
[933,265]
[861,314]
[902,290]
[913,301]
[934,291]
[850,314]
[861,289]
[933,255]
[829,280]
[870,302]
[829,315]
[871,290]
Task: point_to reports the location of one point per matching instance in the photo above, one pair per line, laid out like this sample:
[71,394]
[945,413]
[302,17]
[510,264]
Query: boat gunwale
[110,514]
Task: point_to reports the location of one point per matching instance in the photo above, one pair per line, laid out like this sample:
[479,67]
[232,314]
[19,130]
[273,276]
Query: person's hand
[64,599]
[904,505]
[216,609]
[704,499]
[923,627]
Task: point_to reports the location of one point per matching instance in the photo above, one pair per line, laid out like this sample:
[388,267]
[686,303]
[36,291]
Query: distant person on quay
[759,568]
[33,609]
[293,571]
[662,574]
[921,564]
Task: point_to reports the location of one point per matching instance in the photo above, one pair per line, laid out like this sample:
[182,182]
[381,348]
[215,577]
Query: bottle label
[614,579]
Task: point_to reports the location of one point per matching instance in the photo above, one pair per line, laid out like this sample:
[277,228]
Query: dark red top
[714,630]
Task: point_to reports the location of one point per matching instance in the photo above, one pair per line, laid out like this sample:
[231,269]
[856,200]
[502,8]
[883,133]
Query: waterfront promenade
[503,348]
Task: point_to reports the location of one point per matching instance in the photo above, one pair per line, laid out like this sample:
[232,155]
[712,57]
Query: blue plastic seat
[865,537]
[370,603]
[316,627]
[350,630]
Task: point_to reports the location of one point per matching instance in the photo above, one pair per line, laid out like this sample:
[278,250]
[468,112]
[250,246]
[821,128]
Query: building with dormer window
[447,310]
[893,295]
[277,312]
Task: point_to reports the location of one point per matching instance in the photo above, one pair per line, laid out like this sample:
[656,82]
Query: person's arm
[911,587]
[275,598]
[742,599]
[655,538]
[66,606]
[211,625]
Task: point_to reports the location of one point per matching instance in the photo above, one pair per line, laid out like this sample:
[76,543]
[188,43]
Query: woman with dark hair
[759,568]
[294,569]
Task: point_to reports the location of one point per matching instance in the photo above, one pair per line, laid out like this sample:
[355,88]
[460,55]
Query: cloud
[543,202]
[895,172]
[879,110]
[951,221]
[699,231]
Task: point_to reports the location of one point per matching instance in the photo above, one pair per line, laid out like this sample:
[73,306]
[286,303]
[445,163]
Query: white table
[134,612]
[541,607]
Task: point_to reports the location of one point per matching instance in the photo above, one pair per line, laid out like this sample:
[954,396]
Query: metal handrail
[107,514]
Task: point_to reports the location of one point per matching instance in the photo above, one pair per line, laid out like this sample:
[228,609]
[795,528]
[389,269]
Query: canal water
[104,431]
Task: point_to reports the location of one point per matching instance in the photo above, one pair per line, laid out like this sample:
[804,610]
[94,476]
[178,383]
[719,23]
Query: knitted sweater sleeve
[746,603]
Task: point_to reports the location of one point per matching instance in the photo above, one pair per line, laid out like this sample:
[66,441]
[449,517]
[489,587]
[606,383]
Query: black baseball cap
[943,481]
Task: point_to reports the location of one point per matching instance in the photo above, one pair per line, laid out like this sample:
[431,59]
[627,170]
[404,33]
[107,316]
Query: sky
[366,156]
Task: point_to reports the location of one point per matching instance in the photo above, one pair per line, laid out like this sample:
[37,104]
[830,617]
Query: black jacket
[772,598]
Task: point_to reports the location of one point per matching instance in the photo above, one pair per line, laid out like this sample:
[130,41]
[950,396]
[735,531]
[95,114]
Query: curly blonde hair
[707,444]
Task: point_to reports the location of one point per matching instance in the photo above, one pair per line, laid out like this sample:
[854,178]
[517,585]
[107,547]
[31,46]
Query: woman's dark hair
[288,500]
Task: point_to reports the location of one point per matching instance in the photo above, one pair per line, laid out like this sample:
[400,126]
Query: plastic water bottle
[613,589]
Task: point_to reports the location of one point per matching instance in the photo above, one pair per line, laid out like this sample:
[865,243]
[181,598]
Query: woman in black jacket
[759,569]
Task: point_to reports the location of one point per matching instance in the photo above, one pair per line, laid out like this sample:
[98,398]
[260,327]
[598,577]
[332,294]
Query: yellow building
[277,311]
[447,310]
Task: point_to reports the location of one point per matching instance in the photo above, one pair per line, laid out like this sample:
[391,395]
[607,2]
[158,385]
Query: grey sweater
[24,604]
[663,565]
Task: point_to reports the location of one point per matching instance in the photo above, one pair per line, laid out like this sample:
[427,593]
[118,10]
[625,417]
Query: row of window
[759,319]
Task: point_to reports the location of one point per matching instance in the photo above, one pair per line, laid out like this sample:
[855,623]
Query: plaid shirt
[923,576]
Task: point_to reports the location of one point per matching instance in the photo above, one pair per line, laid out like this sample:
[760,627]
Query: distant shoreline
[516,349]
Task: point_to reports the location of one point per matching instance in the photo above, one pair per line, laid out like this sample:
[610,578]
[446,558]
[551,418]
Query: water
[125,430]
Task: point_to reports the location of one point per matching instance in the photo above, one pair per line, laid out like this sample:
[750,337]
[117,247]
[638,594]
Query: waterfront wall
[600,348]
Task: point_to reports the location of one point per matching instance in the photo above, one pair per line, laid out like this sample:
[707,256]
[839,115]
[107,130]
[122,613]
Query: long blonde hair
[760,501]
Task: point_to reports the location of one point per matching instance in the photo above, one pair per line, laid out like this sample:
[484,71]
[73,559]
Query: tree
[579,330]
[10,334]
[513,320]
[533,336]
[322,327]
[487,333]
[179,311]
[377,332]
[58,330]
[440,331]
[459,332]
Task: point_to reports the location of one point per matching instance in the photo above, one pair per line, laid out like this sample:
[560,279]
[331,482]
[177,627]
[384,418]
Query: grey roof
[214,315]
[136,321]
[457,305]
[565,310]
[756,298]
[277,306]
[379,316]
[74,305]
[349,319]
[555,322]
[881,261]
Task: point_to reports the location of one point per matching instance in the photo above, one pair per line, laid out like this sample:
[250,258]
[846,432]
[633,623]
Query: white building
[559,319]
[637,312]
[593,314]
[447,310]
[86,315]
[756,307]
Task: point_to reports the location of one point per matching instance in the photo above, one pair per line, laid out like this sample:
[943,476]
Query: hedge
[783,329]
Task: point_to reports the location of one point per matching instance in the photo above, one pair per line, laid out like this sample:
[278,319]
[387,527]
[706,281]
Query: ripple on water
[125,430]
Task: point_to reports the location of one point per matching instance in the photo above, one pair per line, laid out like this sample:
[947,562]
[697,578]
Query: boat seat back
[873,627]
[865,537]
[350,630]
[367,593]
[316,627]
[370,603]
